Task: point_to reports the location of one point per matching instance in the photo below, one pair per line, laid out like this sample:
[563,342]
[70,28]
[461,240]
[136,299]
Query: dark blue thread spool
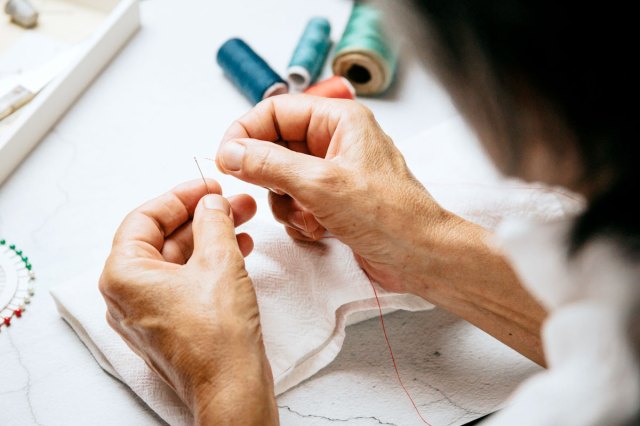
[249,72]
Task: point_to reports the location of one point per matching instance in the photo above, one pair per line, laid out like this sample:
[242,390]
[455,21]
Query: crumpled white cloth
[593,374]
[309,292]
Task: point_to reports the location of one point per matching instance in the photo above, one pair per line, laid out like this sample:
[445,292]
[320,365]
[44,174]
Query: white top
[593,375]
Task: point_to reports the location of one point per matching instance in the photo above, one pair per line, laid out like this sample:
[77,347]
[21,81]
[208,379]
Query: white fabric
[593,376]
[308,292]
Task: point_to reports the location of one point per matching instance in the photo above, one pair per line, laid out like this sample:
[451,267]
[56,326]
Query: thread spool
[249,72]
[364,55]
[22,13]
[310,54]
[334,87]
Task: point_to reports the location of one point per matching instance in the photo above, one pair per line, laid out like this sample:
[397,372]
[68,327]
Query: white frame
[36,118]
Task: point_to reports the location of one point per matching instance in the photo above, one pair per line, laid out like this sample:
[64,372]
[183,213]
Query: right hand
[330,167]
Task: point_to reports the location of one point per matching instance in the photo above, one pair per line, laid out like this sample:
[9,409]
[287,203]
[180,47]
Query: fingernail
[232,154]
[215,202]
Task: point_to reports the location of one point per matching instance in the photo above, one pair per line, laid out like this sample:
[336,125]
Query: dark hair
[577,58]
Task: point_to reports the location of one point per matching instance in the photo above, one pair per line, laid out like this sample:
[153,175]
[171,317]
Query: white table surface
[131,136]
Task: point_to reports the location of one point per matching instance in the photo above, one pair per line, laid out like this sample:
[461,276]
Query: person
[540,83]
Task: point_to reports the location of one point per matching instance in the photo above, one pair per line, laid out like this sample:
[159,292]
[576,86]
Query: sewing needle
[202,174]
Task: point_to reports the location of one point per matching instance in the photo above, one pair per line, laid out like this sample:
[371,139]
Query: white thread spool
[22,13]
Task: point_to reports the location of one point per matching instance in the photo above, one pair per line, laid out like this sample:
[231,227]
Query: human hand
[330,167]
[178,293]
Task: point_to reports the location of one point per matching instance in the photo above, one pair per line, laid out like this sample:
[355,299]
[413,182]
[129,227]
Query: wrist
[415,239]
[242,393]
[466,275]
[448,254]
[238,405]
[436,243]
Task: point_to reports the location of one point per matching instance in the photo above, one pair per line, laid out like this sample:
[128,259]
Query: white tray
[115,22]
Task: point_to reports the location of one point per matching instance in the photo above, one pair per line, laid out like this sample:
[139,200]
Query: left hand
[179,295]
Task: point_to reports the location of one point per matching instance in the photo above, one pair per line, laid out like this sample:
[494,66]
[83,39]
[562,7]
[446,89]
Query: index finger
[148,226]
[310,120]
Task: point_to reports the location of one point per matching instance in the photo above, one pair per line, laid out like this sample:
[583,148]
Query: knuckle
[328,177]
[365,111]
[109,283]
[130,217]
[259,160]
[126,250]
[116,273]
[358,110]
[263,104]
[218,218]
[216,255]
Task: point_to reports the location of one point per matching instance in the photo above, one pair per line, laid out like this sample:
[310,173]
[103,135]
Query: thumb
[213,230]
[302,176]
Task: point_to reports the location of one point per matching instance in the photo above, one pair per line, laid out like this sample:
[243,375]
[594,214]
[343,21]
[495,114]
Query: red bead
[7,321]
[18,312]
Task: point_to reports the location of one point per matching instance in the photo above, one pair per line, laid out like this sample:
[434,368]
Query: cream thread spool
[364,55]
[22,13]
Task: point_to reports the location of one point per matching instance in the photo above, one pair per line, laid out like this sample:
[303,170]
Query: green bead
[25,259]
[12,246]
[19,252]
[3,242]
[28,266]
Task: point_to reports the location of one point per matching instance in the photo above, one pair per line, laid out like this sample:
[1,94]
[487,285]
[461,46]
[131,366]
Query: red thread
[386,338]
[393,358]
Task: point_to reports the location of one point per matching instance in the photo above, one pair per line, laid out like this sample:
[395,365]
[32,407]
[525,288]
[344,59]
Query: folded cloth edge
[85,338]
[329,350]
[309,365]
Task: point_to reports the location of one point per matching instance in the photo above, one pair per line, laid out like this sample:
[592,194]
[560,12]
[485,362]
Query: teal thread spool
[364,55]
[310,54]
